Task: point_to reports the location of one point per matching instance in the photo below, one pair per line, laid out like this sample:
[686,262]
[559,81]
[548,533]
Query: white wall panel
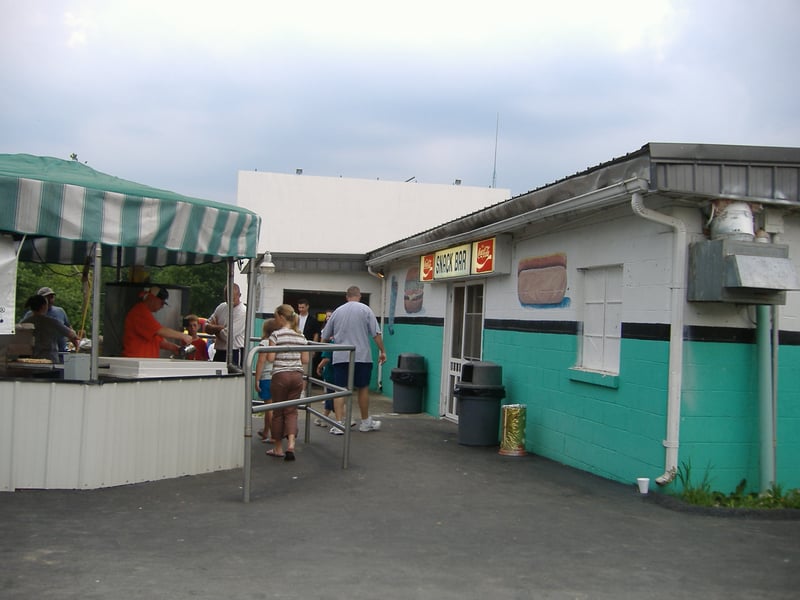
[381,211]
[69,436]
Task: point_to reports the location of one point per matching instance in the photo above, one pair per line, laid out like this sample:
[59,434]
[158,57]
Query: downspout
[677,304]
[767,433]
[774,400]
[382,277]
[767,349]
[776,345]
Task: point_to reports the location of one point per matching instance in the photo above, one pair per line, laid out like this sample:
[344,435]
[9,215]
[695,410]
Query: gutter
[677,305]
[603,197]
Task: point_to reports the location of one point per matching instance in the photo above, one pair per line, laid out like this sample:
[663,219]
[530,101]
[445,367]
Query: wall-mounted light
[266,265]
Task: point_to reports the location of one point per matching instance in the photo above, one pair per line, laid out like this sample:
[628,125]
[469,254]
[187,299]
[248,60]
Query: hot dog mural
[413,291]
[542,281]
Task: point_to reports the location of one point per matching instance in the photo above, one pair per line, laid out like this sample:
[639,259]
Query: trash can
[409,380]
[512,442]
[479,394]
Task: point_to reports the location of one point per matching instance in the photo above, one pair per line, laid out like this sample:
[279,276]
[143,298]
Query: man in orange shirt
[144,335]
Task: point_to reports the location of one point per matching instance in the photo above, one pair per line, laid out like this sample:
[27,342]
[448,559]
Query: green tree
[205,283]
[65,280]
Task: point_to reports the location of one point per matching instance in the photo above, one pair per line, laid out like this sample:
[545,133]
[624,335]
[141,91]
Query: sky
[181,95]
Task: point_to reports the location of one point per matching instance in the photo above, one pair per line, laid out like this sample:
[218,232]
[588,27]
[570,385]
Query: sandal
[289,455]
[271,452]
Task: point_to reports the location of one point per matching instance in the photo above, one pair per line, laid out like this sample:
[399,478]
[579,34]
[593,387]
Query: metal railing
[304,403]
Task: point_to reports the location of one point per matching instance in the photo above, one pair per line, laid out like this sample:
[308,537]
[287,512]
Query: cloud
[77,28]
[182,94]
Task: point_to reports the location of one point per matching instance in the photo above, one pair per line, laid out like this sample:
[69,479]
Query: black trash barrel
[479,394]
[409,380]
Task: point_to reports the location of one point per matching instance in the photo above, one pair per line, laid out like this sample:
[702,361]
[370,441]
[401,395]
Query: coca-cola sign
[483,257]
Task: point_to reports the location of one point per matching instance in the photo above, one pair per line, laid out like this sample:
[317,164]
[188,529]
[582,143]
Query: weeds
[701,493]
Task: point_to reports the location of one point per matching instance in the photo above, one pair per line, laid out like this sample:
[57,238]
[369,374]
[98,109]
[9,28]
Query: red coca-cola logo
[427,268]
[484,256]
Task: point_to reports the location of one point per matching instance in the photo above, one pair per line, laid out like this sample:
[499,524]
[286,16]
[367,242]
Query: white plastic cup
[644,484]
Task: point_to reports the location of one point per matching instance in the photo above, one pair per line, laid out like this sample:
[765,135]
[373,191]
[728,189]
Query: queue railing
[304,403]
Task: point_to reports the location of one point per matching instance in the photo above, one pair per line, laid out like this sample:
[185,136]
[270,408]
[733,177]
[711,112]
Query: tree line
[205,283]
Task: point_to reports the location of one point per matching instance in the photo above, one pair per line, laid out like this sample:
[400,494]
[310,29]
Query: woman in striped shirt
[287,379]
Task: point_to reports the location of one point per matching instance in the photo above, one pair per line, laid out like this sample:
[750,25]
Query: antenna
[494,170]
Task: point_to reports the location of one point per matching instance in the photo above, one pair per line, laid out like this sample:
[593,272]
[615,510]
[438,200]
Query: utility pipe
[382,277]
[677,304]
[775,313]
[767,434]
[776,344]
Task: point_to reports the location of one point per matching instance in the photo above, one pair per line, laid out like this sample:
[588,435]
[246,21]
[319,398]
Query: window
[602,319]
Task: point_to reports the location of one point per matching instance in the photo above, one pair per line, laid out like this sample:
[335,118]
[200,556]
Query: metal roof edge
[594,199]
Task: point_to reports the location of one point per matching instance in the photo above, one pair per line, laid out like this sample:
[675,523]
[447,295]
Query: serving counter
[123,429]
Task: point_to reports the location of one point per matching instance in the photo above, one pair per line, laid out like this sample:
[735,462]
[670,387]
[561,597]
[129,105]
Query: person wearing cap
[144,336]
[54,312]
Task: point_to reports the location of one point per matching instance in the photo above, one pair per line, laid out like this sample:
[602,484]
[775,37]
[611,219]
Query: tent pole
[247,367]
[96,284]
[229,300]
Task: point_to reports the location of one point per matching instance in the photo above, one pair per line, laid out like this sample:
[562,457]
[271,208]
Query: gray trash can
[409,382]
[479,394]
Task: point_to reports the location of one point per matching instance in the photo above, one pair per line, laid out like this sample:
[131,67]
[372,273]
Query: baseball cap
[45,291]
[159,292]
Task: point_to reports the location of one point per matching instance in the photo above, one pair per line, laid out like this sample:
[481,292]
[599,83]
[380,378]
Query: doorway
[465,344]
[318,302]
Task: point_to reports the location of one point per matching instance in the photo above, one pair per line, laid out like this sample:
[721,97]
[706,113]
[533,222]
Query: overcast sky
[183,94]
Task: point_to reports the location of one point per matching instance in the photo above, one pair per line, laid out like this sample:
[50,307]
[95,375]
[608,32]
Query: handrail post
[349,412]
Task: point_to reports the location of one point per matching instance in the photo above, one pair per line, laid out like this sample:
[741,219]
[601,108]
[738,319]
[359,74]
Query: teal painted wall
[417,339]
[615,433]
[618,432]
[720,415]
[788,429]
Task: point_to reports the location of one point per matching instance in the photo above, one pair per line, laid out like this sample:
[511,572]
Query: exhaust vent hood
[729,270]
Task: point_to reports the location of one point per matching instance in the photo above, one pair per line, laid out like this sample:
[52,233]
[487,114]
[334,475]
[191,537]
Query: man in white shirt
[217,325]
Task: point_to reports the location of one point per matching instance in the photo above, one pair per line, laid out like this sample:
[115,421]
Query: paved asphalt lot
[416,516]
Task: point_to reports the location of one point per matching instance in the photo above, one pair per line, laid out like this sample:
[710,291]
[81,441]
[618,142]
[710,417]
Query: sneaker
[336,431]
[320,423]
[369,424]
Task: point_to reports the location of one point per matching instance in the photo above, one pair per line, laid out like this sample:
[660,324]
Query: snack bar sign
[476,258]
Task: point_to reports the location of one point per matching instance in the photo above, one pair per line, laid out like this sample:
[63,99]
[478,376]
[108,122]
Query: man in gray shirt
[354,324]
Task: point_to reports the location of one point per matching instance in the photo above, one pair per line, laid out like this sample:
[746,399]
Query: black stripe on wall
[630,331]
[645,331]
[433,321]
[566,327]
[789,338]
[735,335]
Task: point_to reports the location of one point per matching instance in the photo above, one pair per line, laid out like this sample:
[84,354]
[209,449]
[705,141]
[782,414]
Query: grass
[701,493]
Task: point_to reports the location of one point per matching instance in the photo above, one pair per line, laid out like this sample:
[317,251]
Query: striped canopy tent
[61,208]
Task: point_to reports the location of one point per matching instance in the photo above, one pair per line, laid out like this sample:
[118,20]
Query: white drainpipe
[677,303]
[380,276]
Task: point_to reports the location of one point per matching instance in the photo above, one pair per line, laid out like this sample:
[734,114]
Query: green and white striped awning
[64,207]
